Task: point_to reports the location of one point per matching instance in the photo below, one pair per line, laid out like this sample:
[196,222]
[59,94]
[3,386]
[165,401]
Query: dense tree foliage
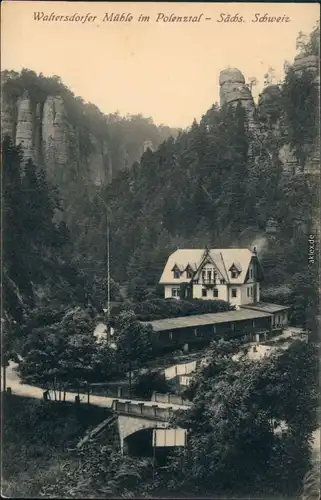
[34,246]
[133,340]
[60,355]
[206,188]
[217,184]
[249,421]
[150,310]
[151,381]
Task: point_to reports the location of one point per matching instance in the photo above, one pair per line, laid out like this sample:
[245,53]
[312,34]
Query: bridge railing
[139,409]
[169,398]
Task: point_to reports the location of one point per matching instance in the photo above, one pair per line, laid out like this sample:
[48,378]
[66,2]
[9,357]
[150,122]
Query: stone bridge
[134,417]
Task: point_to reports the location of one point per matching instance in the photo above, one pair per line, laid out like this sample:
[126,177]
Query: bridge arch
[128,425]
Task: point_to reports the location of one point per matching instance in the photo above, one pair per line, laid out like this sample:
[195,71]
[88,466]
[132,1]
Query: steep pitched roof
[237,266]
[222,258]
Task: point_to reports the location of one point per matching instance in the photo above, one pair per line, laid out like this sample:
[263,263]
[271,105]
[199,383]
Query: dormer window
[189,272]
[235,270]
[176,272]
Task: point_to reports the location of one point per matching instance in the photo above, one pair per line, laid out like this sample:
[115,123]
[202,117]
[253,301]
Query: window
[177,274]
[195,332]
[215,292]
[170,335]
[204,292]
[209,275]
[203,275]
[222,282]
[234,292]
[189,274]
[251,273]
[248,292]
[251,291]
[234,274]
[175,292]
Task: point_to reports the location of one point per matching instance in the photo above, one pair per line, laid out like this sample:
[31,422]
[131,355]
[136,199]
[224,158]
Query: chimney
[255,251]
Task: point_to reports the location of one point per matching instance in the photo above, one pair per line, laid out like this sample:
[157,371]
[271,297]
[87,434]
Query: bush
[147,383]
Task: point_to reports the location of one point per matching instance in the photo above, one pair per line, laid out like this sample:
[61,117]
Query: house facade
[231,274]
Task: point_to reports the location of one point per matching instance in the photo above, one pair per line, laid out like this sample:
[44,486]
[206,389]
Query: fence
[181,369]
[140,410]
[169,399]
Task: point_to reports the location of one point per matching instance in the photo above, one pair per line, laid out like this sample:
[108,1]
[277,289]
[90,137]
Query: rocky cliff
[233,90]
[73,141]
[42,126]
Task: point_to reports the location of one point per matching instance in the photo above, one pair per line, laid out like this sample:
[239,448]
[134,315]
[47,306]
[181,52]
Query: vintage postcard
[160,250]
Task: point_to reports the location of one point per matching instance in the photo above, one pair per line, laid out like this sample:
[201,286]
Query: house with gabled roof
[230,274]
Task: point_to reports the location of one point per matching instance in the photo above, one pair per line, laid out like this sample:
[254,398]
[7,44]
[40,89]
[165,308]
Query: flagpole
[107,255]
[154,448]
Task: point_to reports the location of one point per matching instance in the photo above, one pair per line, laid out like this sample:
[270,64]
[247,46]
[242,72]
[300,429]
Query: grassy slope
[35,439]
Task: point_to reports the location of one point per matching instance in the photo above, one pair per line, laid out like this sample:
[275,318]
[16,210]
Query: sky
[166,70]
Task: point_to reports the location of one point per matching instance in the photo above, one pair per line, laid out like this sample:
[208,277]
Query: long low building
[254,321]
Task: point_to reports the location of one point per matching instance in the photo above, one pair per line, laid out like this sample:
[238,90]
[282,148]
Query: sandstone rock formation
[55,131]
[234,90]
[99,162]
[8,115]
[305,63]
[311,64]
[288,159]
[26,121]
[269,105]
[46,135]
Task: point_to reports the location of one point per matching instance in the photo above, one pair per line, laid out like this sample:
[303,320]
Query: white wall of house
[168,291]
[258,292]
[198,293]
[245,293]
[235,301]
[248,293]
[251,274]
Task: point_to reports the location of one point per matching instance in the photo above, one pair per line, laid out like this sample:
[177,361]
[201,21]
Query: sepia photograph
[160,237]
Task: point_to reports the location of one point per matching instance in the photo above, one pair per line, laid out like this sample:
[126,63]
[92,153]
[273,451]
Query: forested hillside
[219,183]
[233,179]
[79,147]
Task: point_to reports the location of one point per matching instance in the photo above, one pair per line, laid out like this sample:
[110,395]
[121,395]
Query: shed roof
[204,319]
[265,307]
